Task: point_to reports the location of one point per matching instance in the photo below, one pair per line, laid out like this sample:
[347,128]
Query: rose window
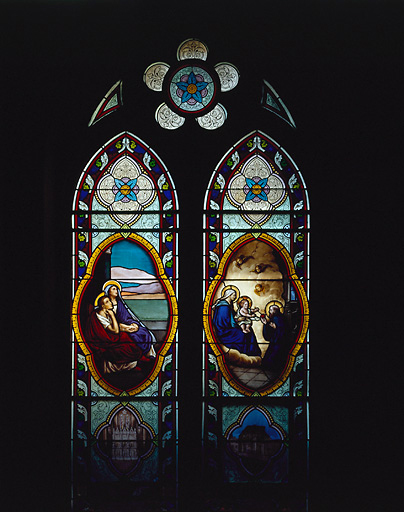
[191,88]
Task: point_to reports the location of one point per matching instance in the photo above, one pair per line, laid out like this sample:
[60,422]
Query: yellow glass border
[206,313]
[77,299]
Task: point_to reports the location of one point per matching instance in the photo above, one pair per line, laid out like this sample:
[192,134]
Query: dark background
[337,66]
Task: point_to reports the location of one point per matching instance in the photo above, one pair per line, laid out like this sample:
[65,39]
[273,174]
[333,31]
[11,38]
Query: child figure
[245,315]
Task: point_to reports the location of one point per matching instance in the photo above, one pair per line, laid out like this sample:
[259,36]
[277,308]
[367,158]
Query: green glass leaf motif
[212,264]
[98,163]
[80,366]
[212,238]
[125,230]
[169,367]
[250,143]
[82,263]
[169,264]
[118,145]
[168,392]
[152,163]
[133,145]
[80,392]
[165,186]
[229,162]
[300,237]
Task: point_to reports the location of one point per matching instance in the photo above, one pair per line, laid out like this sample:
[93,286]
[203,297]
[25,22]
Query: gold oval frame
[170,297]
[207,314]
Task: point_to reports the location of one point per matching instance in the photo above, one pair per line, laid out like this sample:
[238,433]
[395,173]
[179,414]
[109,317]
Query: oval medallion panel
[256,314]
[126,314]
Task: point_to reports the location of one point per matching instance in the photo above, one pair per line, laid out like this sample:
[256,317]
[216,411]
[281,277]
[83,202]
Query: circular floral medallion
[125,190]
[192,89]
[257,189]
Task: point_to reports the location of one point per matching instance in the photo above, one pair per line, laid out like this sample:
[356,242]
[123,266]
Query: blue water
[149,309]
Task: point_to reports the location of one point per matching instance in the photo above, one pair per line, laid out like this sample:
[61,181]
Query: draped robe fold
[275,356]
[229,332]
[117,348]
[142,337]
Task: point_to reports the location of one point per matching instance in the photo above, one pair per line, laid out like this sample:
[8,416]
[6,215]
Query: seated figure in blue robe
[128,321]
[227,330]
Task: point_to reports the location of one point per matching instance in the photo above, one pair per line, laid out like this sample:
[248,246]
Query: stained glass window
[255,315]
[124,328]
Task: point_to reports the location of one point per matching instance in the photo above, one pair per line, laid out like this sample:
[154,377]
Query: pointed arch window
[124,327]
[255,352]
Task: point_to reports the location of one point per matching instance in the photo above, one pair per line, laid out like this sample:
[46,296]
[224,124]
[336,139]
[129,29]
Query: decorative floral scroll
[256,188]
[125,190]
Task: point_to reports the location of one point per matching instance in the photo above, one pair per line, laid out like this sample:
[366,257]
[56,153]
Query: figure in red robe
[115,348]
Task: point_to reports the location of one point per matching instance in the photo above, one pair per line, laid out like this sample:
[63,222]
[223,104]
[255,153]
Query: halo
[102,294]
[244,297]
[273,303]
[115,283]
[231,287]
